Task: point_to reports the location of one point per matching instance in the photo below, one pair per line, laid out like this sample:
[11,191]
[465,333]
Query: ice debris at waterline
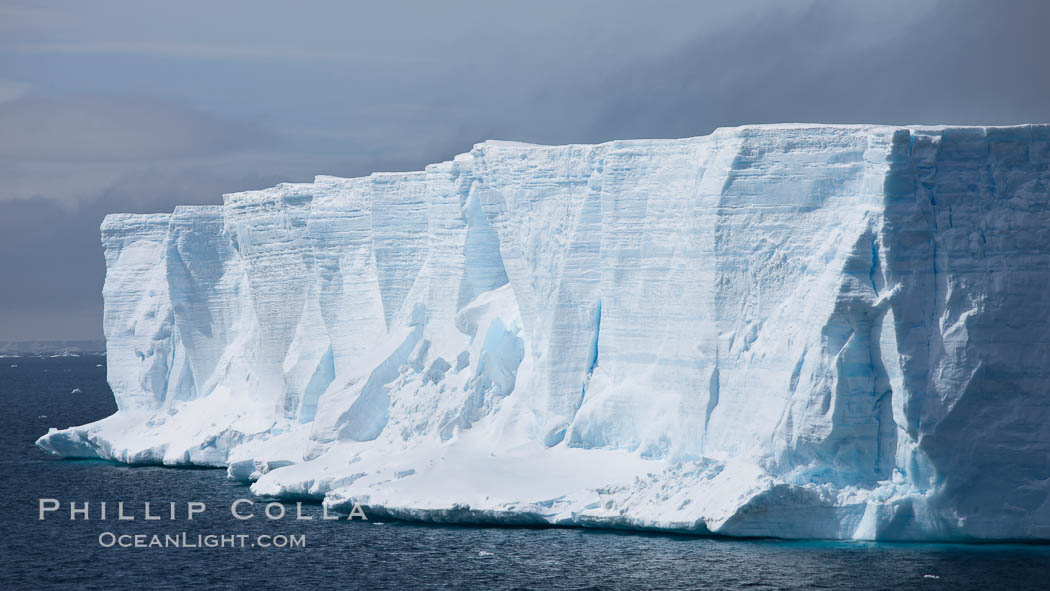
[807,331]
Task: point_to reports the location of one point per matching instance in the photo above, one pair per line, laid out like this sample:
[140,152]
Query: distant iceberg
[803,331]
[18,348]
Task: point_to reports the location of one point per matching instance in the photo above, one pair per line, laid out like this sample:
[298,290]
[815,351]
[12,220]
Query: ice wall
[789,330]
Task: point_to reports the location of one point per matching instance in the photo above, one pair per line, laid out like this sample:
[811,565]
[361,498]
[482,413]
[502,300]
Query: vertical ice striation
[545,205]
[792,330]
[138,315]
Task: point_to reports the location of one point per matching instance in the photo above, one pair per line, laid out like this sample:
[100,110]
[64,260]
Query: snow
[803,331]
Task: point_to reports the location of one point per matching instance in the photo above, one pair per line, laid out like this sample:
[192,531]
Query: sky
[137,106]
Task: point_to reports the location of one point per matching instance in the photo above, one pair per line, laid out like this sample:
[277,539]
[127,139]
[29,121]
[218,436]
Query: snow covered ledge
[804,331]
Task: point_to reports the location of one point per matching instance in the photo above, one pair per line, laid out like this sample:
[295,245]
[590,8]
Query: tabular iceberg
[809,331]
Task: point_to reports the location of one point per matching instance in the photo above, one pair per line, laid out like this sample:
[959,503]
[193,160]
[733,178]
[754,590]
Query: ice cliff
[808,331]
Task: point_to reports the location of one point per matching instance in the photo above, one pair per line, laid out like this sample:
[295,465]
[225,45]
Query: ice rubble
[791,330]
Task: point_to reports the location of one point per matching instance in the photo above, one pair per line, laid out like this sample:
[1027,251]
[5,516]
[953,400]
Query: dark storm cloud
[128,106]
[962,63]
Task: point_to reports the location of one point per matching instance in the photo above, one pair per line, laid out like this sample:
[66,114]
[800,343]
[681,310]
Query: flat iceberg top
[796,330]
[1036,130]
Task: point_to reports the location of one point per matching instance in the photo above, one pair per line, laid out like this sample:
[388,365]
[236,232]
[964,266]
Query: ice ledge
[555,488]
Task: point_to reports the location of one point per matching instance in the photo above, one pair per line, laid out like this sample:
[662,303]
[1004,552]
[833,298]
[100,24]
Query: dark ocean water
[64,554]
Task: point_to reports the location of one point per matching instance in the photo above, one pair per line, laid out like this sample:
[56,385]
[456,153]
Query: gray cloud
[12,90]
[130,106]
[115,128]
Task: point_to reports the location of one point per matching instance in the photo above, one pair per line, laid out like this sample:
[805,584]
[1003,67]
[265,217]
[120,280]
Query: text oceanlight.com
[187,540]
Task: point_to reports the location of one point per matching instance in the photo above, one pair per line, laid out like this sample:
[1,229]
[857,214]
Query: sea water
[58,551]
